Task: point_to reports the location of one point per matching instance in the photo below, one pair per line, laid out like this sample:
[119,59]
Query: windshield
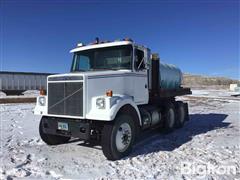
[109,58]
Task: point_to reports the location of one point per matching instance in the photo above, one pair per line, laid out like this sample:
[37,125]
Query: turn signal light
[42,92]
[109,93]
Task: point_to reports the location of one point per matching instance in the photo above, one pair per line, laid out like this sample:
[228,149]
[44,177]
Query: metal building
[15,83]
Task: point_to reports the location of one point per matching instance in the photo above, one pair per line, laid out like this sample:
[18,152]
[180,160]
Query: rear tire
[170,117]
[51,139]
[118,137]
[180,114]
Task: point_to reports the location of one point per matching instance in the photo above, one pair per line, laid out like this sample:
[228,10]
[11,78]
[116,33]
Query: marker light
[128,39]
[42,92]
[109,93]
[79,44]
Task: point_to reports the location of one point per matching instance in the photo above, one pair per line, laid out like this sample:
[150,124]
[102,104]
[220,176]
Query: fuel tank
[170,76]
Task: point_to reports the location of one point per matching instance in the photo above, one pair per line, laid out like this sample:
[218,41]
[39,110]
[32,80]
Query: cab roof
[101,45]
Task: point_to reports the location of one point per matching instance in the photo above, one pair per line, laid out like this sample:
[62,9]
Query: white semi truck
[114,91]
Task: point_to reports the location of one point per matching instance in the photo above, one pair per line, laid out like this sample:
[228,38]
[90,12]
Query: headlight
[100,103]
[42,101]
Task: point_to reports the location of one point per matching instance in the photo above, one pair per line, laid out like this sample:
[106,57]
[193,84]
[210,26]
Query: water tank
[170,76]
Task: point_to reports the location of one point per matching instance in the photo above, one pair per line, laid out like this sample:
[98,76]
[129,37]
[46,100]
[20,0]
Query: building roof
[25,73]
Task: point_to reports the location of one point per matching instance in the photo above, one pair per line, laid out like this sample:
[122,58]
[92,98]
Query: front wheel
[118,137]
[49,138]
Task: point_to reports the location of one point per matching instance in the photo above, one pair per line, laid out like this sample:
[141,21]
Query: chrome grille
[65,98]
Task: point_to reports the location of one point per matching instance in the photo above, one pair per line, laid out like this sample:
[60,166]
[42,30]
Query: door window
[139,60]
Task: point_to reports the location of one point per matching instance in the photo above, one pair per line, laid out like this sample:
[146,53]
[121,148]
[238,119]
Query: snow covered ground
[29,93]
[211,137]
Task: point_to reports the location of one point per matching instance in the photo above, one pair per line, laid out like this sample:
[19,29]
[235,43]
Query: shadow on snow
[153,141]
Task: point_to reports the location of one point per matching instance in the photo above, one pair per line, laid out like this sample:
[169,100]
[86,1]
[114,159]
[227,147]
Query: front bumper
[76,128]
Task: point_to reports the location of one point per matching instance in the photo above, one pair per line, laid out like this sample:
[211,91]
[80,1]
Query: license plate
[63,126]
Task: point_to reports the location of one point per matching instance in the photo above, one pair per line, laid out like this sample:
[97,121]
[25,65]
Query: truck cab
[109,96]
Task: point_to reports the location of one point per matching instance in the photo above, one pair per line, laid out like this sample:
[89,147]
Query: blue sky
[201,37]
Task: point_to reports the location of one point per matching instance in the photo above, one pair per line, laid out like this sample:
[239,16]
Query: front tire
[118,137]
[50,139]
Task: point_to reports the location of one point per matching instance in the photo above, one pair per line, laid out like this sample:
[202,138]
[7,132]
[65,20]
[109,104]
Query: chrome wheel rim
[123,137]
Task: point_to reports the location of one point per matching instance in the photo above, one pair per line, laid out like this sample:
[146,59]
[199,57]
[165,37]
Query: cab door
[141,94]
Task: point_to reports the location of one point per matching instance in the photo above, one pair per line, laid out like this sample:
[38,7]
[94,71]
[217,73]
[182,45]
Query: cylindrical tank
[170,77]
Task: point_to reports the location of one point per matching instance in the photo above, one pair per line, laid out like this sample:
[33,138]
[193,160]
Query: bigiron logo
[188,168]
